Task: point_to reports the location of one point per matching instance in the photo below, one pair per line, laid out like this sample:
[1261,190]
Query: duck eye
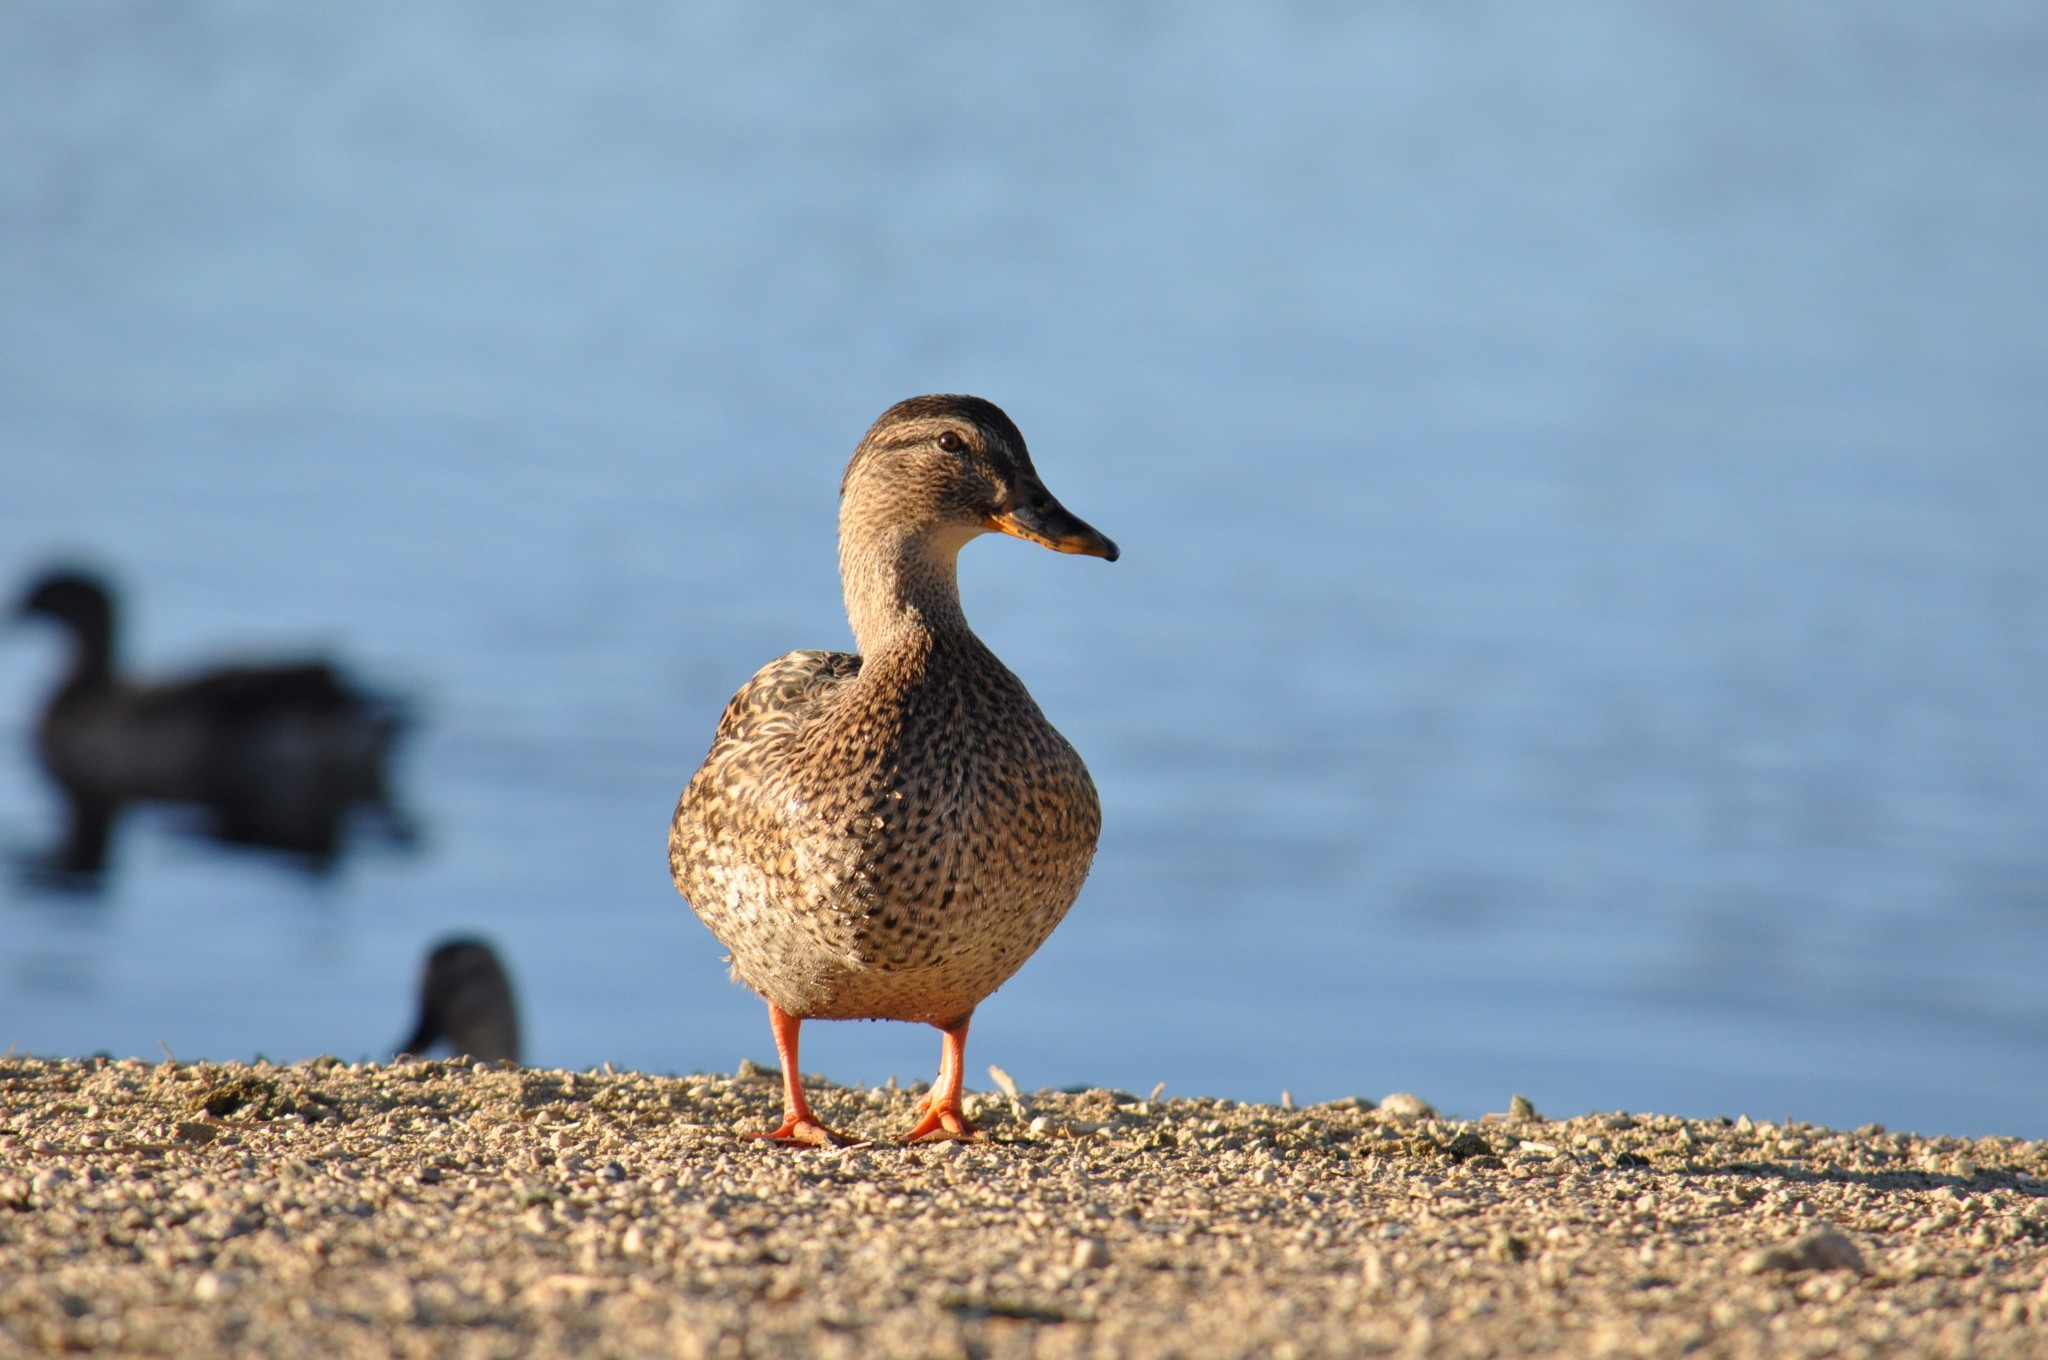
[951,442]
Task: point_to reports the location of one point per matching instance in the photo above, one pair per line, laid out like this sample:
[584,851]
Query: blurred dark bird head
[76,599]
[466,1004]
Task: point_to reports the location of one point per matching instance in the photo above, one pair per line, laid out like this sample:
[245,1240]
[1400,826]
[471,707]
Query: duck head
[947,468]
[68,596]
[80,603]
[931,474]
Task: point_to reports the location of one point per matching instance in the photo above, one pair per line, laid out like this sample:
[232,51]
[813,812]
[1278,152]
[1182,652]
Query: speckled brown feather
[890,836]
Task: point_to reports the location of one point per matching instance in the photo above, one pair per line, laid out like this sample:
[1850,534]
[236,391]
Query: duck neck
[92,653]
[903,589]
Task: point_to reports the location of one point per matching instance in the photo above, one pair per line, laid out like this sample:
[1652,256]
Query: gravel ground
[429,1208]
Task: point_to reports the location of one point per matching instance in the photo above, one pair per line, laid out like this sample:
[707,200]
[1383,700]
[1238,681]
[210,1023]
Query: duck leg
[940,1116]
[82,858]
[799,1125]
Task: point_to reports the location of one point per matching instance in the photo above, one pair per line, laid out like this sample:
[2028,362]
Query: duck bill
[1045,521]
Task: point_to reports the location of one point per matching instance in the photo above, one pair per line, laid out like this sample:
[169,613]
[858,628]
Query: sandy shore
[442,1209]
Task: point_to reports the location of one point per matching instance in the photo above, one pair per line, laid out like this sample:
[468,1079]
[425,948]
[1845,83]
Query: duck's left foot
[942,1122]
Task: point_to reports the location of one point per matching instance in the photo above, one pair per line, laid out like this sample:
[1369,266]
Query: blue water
[1583,626]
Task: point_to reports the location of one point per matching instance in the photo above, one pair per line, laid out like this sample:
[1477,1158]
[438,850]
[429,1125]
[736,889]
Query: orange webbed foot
[943,1121]
[799,1128]
[803,1131]
[940,1115]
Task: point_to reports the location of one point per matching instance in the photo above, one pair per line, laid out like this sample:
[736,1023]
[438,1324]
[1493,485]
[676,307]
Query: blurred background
[1583,622]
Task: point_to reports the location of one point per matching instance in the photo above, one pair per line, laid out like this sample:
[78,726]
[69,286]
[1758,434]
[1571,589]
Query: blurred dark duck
[465,1004]
[890,835]
[275,755]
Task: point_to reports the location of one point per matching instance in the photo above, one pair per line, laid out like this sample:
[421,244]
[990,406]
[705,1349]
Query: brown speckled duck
[889,835]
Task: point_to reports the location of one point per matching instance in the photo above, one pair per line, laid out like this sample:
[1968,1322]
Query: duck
[888,834]
[466,1004]
[277,755]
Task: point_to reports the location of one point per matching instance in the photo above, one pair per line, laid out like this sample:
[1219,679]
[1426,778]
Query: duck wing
[282,716]
[278,754]
[233,695]
[772,706]
[742,833]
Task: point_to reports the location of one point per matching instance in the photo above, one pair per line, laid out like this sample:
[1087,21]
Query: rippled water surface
[1581,478]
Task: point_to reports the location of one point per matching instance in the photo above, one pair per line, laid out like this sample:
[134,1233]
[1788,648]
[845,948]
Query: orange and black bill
[1036,516]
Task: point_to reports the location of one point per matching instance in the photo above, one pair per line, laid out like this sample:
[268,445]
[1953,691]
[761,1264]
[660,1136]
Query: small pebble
[1822,1248]
[1350,1103]
[1402,1105]
[213,1285]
